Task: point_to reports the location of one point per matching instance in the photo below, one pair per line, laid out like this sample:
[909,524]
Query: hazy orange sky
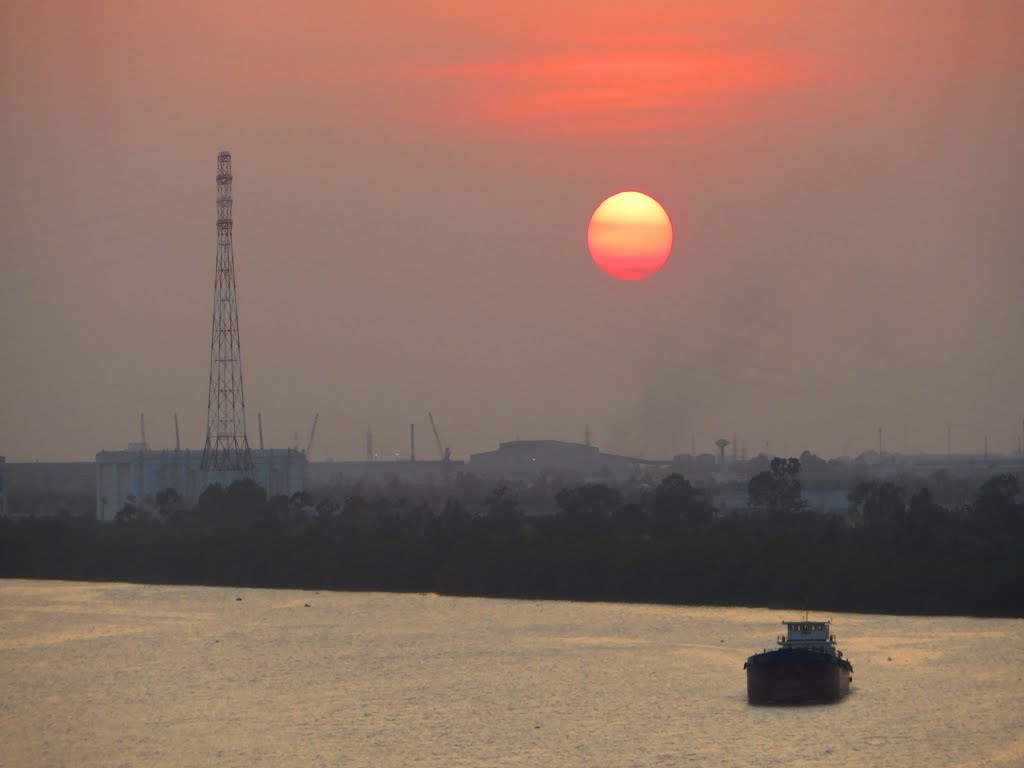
[412,190]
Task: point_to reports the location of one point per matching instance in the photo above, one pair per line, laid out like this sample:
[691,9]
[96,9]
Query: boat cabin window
[807,628]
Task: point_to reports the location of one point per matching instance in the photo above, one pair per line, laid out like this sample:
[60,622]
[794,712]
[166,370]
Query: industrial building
[137,476]
[326,473]
[526,460]
[47,488]
[973,465]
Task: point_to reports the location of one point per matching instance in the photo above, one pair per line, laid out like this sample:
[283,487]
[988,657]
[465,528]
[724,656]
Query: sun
[629,235]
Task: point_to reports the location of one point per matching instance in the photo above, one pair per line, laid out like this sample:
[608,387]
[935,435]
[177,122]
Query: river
[136,675]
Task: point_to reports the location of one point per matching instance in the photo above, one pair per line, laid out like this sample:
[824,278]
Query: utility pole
[259,420]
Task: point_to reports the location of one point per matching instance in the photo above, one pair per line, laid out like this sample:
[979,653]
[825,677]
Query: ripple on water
[93,675]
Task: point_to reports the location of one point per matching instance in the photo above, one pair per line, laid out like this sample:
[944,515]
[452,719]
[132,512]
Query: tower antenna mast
[227,447]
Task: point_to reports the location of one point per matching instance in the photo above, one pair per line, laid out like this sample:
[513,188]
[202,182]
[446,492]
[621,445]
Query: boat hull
[793,677]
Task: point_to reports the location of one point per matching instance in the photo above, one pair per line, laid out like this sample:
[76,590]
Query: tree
[879,505]
[327,508]
[129,512]
[995,504]
[679,505]
[588,505]
[927,520]
[815,472]
[168,502]
[776,491]
[211,501]
[276,508]
[454,512]
[300,505]
[245,498]
[356,510]
[501,506]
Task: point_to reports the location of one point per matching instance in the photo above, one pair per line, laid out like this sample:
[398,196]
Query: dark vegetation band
[892,553]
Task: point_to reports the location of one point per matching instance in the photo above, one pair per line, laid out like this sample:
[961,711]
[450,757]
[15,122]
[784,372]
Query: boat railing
[808,643]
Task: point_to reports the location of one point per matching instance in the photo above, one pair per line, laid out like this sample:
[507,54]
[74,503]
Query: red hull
[794,682]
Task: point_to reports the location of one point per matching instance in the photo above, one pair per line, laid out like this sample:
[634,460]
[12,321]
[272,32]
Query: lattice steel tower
[227,447]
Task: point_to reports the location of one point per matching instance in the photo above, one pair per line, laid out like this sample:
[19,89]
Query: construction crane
[445,453]
[312,434]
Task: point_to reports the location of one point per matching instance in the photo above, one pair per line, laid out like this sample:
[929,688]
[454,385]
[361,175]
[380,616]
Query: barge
[806,667]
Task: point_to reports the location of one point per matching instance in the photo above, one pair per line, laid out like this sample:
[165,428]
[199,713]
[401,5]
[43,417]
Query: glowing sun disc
[629,235]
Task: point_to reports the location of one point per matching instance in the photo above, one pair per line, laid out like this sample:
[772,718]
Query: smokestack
[412,442]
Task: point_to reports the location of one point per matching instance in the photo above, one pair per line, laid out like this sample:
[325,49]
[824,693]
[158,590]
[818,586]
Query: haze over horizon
[412,188]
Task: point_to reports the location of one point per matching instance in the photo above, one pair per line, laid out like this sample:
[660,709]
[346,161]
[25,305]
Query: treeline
[892,553]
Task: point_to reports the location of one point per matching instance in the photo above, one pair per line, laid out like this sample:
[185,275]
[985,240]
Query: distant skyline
[413,184]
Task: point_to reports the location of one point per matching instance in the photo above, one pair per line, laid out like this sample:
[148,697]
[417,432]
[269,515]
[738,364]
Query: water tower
[721,443]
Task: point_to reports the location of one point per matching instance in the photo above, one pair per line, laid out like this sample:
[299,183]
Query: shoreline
[788,609]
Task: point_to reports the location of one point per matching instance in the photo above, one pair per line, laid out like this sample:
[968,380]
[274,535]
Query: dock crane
[445,453]
[312,434]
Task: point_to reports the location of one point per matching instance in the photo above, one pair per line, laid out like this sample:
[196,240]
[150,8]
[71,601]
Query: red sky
[413,184]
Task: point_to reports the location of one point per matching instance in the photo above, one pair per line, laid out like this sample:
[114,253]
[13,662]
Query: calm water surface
[127,675]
